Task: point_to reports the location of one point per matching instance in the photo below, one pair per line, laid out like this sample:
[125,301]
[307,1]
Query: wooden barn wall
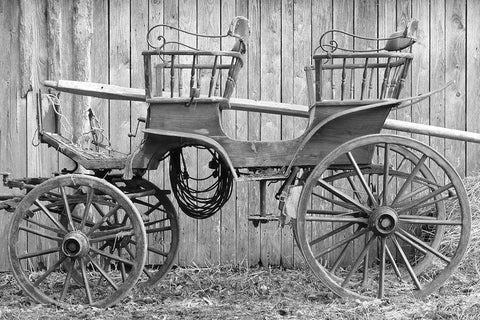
[36,38]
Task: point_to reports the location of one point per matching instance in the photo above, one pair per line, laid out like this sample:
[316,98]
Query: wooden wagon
[369,211]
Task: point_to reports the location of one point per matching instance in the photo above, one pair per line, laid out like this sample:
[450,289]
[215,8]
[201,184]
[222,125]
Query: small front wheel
[76,239]
[379,229]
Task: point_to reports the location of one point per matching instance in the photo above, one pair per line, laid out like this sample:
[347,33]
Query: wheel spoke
[152,208]
[358,261]
[427,220]
[103,273]
[339,219]
[87,208]
[362,179]
[50,216]
[66,283]
[159,229]
[381,277]
[415,203]
[331,233]
[342,196]
[386,169]
[339,259]
[83,269]
[407,264]
[336,202]
[354,236]
[49,271]
[40,234]
[103,220]
[146,224]
[41,225]
[112,256]
[410,178]
[408,196]
[392,260]
[407,237]
[67,207]
[38,253]
[425,205]
[122,266]
[354,188]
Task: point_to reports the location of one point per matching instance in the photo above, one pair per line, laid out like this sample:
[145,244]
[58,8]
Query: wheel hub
[383,221]
[75,244]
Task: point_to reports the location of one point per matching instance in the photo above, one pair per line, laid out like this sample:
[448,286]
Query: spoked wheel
[161,225]
[76,239]
[375,228]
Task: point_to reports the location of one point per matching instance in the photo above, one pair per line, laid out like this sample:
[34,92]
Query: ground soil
[251,293]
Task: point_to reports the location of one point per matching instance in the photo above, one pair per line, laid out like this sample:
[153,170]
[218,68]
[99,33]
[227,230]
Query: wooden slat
[455,70]
[242,190]
[288,78]
[473,83]
[254,87]
[13,155]
[208,229]
[119,73]
[271,124]
[187,20]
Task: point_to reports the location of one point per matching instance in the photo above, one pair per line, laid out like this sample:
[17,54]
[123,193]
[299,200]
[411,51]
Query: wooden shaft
[431,130]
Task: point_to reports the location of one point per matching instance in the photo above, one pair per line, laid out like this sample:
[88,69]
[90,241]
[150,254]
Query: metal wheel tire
[161,225]
[364,240]
[96,259]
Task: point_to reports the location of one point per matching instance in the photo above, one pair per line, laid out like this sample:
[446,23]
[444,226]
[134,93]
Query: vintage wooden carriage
[369,211]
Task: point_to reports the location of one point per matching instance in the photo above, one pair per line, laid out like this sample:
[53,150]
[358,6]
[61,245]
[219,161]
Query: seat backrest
[202,72]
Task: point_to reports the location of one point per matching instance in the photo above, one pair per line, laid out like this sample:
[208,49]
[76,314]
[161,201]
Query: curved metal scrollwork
[162,41]
[397,41]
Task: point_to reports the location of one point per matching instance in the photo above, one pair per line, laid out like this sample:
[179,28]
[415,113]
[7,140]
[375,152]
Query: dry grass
[233,292]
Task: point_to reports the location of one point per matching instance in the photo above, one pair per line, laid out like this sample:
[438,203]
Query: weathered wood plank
[473,83]
[254,86]
[288,73]
[187,20]
[420,65]
[242,190]
[208,229]
[455,70]
[228,215]
[119,73]
[13,154]
[270,46]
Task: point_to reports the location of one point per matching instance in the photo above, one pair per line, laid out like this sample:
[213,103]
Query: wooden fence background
[37,43]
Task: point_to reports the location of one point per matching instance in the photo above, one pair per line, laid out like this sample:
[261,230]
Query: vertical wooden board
[343,19]
[119,73]
[186,17]
[254,81]
[66,64]
[41,161]
[437,70]
[473,84]
[403,17]
[365,25]
[420,66]
[270,46]
[228,223]
[288,122]
[12,123]
[208,22]
[99,54]
[455,70]
[241,133]
[138,31]
[322,21]
[386,26]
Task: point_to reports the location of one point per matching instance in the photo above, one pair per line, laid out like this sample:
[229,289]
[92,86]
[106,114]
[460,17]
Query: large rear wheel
[374,230]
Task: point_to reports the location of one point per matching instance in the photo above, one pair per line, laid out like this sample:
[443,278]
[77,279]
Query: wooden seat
[89,159]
